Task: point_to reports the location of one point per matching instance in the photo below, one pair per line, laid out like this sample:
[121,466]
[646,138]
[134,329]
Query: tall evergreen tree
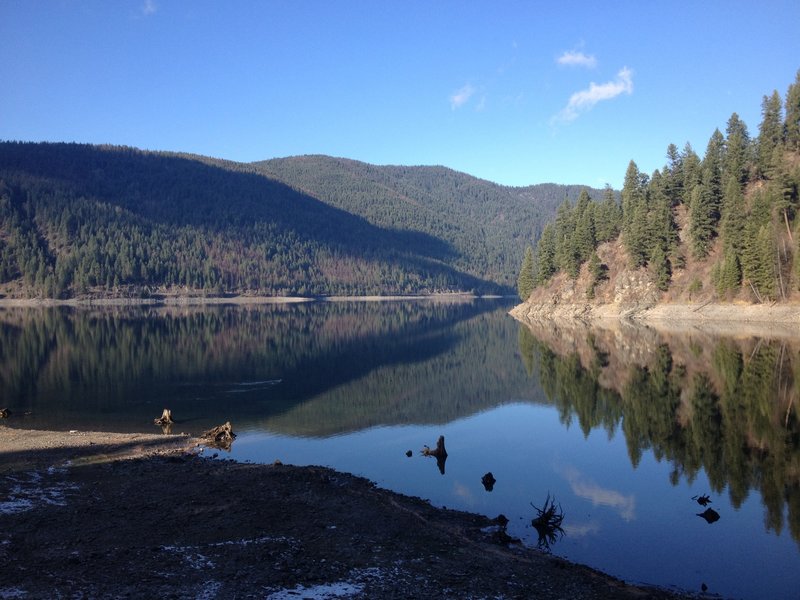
[608,217]
[525,281]
[674,175]
[584,236]
[707,197]
[692,171]
[634,215]
[793,115]
[770,133]
[545,266]
[737,150]
[567,258]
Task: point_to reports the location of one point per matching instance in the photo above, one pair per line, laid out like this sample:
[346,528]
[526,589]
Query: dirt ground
[94,515]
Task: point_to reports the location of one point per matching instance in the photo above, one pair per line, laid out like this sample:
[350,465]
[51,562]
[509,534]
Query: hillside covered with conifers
[83,220]
[721,227]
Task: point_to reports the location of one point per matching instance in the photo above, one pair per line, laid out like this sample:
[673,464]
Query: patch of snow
[261,540]
[30,489]
[12,593]
[194,559]
[326,591]
[15,505]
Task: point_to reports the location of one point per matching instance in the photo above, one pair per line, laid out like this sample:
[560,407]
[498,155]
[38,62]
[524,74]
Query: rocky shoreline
[736,318]
[99,515]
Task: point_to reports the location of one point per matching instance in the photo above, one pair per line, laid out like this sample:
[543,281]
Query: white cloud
[599,496]
[461,97]
[582,101]
[149,7]
[573,58]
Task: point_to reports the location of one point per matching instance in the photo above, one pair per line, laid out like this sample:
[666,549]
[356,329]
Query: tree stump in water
[165,421]
[4,413]
[220,437]
[165,418]
[439,453]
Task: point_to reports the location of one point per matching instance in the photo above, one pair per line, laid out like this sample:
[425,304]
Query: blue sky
[514,92]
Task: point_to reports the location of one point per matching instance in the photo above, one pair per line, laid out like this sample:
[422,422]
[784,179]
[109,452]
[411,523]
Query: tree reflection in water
[701,401]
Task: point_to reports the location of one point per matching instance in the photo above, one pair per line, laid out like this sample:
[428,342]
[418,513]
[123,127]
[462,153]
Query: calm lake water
[622,427]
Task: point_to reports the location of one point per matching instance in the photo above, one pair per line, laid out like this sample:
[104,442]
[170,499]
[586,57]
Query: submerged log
[220,437]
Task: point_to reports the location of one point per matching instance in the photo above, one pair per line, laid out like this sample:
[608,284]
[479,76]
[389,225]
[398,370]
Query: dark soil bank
[166,523]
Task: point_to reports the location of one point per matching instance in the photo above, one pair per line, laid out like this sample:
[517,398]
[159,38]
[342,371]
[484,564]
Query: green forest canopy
[79,220]
[739,201]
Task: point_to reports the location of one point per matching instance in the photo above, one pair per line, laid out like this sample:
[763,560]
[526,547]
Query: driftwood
[165,418]
[702,500]
[439,453]
[548,523]
[220,437]
[165,421]
[4,413]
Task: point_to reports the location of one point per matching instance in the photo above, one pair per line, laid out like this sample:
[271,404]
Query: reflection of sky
[632,523]
[599,496]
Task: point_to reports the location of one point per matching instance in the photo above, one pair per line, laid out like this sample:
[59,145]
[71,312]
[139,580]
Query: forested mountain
[720,227]
[484,223]
[80,219]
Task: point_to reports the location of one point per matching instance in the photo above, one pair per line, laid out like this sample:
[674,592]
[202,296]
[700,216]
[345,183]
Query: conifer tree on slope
[793,115]
[525,281]
[770,133]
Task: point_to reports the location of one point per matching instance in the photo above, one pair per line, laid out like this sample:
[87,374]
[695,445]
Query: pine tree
[733,217]
[728,274]
[567,258]
[584,241]
[707,197]
[793,115]
[662,229]
[608,217]
[662,271]
[737,150]
[692,171]
[525,281]
[545,264]
[770,133]
[674,175]
[634,215]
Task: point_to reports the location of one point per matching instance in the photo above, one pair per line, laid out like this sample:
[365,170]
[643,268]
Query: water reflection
[727,406]
[315,369]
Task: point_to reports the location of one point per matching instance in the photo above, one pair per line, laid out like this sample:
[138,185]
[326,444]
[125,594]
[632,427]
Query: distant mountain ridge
[79,220]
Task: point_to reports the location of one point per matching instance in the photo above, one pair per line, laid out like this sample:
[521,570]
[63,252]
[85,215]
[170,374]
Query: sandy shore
[100,515]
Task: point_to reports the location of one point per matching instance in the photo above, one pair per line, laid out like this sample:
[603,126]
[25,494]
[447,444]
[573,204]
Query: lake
[626,428]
